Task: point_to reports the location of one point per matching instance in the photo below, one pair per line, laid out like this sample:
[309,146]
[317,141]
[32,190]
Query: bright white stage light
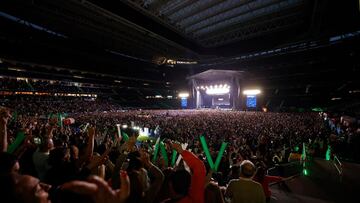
[217,91]
[252,92]
[183,95]
[124,126]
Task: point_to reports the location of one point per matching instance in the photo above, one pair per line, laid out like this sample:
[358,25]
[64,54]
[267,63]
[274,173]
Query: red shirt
[197,187]
[265,183]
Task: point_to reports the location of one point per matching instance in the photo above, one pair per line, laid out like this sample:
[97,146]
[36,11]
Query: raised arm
[197,187]
[89,147]
[4,117]
[158,177]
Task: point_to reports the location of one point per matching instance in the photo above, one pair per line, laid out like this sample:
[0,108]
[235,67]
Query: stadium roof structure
[299,50]
[213,75]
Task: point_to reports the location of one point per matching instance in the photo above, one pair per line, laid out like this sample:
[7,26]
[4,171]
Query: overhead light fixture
[217,91]
[252,92]
[16,69]
[183,95]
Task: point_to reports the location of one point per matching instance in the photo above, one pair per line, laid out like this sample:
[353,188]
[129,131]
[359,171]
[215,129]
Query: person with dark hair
[8,163]
[245,189]
[15,188]
[264,180]
[185,187]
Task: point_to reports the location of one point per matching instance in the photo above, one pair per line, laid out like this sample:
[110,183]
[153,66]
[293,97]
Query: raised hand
[91,131]
[99,189]
[177,147]
[145,158]
[4,116]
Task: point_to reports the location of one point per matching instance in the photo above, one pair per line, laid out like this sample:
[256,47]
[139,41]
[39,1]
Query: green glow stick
[328,153]
[20,137]
[207,153]
[156,151]
[125,136]
[164,154]
[218,158]
[60,123]
[173,158]
[304,152]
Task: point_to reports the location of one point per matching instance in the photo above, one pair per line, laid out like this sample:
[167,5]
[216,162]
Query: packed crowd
[89,161]
[29,105]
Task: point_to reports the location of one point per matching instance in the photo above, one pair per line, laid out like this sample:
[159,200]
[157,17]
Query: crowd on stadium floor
[91,162]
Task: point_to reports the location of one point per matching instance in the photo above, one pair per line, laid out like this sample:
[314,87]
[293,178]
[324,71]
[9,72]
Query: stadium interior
[133,63]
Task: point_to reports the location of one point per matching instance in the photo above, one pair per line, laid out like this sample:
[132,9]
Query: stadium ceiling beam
[161,19]
[251,30]
[133,26]
[48,17]
[227,12]
[174,5]
[67,16]
[195,10]
[246,17]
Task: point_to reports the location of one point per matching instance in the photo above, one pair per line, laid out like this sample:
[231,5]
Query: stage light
[124,126]
[217,91]
[158,96]
[252,92]
[183,95]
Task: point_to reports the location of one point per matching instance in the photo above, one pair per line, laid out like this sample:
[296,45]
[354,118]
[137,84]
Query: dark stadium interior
[105,63]
[103,37]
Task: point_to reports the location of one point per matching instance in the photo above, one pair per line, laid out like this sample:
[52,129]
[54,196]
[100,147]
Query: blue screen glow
[183,102]
[251,101]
